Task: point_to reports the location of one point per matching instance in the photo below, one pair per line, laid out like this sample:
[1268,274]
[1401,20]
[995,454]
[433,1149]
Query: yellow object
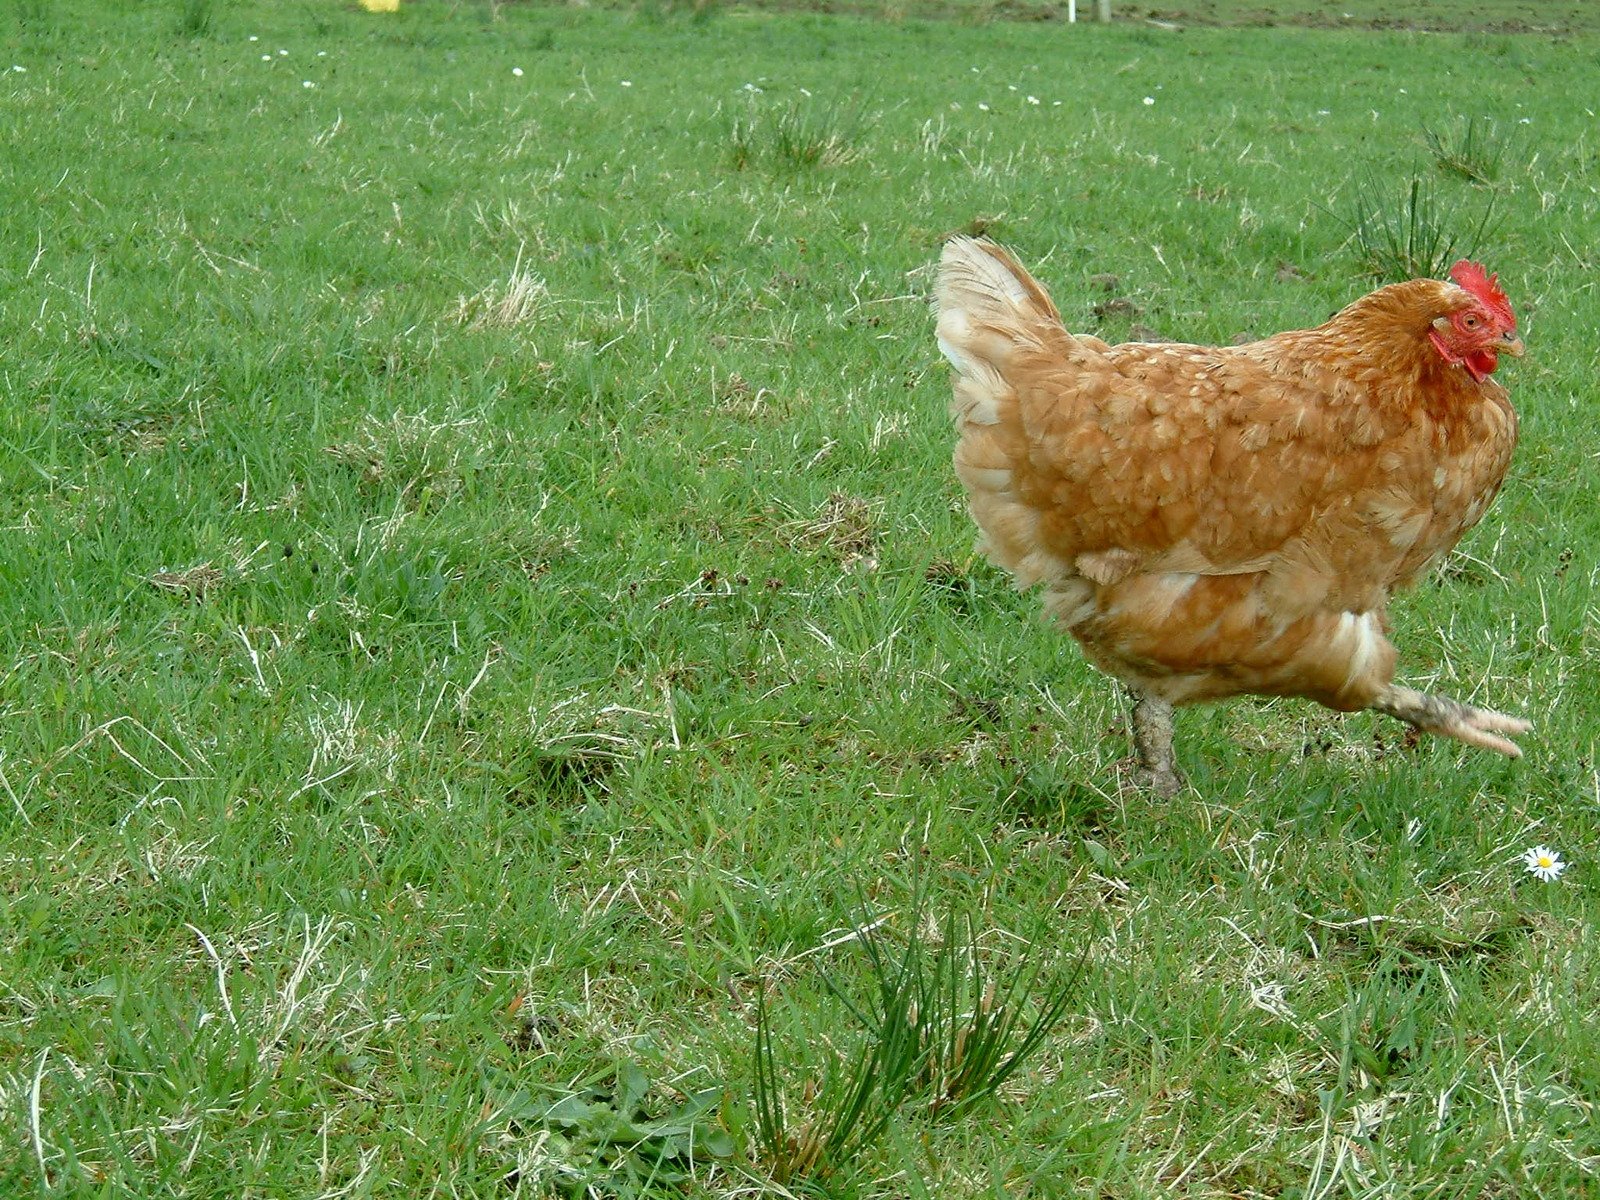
[381,5]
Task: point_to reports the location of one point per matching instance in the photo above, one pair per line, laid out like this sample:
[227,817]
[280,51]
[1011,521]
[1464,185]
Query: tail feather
[989,310]
[984,280]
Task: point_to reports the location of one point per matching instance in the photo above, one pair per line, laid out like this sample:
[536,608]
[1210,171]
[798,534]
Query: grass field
[486,619]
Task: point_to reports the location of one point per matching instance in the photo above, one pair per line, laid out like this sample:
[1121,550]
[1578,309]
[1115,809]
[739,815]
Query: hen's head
[1479,325]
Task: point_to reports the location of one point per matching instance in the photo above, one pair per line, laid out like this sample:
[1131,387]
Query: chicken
[1216,521]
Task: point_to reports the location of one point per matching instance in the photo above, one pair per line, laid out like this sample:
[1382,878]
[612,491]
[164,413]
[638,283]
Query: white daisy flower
[517,71]
[307,83]
[1033,99]
[1149,100]
[1543,862]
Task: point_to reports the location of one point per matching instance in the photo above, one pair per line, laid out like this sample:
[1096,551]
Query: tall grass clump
[941,1028]
[976,1023]
[1412,234]
[195,17]
[1470,149]
[800,136]
[843,1110]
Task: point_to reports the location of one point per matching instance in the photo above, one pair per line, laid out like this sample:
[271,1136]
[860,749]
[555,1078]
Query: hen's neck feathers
[1387,332]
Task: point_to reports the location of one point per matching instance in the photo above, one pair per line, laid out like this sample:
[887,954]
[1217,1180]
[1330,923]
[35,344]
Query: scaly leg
[1152,746]
[1451,718]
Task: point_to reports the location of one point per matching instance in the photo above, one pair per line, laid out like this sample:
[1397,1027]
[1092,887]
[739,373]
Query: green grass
[487,611]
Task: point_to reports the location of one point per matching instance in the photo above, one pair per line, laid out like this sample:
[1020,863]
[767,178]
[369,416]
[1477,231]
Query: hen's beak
[1511,344]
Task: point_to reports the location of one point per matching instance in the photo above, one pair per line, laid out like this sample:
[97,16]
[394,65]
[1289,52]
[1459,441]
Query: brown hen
[1211,521]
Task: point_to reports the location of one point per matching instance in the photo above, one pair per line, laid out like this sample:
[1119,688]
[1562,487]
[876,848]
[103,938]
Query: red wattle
[1480,364]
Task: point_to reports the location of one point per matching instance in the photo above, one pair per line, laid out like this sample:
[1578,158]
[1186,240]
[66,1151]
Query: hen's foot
[1165,783]
[1451,718]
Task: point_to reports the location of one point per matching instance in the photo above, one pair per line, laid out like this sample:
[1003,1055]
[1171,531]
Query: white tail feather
[981,281]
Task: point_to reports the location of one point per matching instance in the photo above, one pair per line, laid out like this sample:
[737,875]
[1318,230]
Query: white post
[1102,10]
[1072,12]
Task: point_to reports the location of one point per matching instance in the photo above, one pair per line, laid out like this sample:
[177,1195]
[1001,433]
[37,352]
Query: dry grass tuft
[414,452]
[192,584]
[844,526]
[503,305]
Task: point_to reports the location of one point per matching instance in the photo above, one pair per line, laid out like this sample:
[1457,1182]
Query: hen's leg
[1442,715]
[1152,745]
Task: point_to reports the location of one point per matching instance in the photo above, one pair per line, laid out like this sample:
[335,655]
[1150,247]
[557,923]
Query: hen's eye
[1469,321]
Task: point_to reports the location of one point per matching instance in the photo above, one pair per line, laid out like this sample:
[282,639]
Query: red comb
[1486,288]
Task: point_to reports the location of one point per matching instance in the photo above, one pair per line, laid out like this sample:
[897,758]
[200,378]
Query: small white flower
[322,54]
[19,68]
[982,107]
[627,83]
[517,71]
[1011,87]
[1033,99]
[753,89]
[1403,92]
[1055,104]
[1525,121]
[254,38]
[806,92]
[1323,112]
[307,83]
[266,58]
[1149,100]
[282,53]
[1543,862]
